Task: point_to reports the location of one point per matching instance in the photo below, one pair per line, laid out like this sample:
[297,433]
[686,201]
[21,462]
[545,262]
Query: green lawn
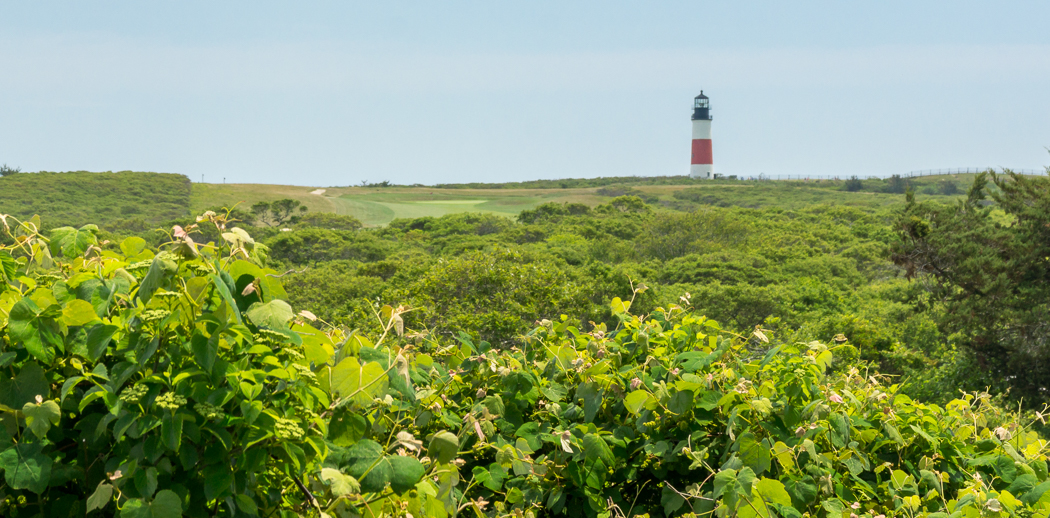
[376,207]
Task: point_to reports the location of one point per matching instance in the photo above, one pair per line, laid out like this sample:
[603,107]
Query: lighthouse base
[702,171]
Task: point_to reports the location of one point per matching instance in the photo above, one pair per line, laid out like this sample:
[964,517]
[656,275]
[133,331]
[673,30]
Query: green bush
[329,221]
[669,415]
[180,383]
[161,384]
[310,246]
[853,184]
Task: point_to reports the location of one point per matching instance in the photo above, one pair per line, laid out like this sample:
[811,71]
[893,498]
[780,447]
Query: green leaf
[595,449]
[771,491]
[619,307]
[681,402]
[531,433]
[899,479]
[135,508]
[101,497]
[893,433]
[636,401]
[762,405]
[146,481]
[205,350]
[839,429]
[171,431]
[161,267]
[731,485]
[803,492]
[78,312]
[592,400]
[444,447]
[367,464]
[25,387]
[834,507]
[132,246]
[1033,495]
[167,504]
[364,381]
[227,296]
[1005,468]
[854,465]
[217,481]
[24,326]
[345,427]
[405,472]
[671,501]
[26,468]
[492,478]
[40,416]
[72,242]
[693,361]
[340,483]
[274,314]
[8,266]
[98,339]
[753,454]
[247,505]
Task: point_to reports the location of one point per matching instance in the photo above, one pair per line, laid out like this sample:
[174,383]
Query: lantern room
[701,107]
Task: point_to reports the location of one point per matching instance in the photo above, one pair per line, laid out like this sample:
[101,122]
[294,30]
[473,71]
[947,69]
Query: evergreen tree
[991,273]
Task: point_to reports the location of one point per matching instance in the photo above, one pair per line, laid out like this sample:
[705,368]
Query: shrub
[329,221]
[854,184]
[157,384]
[178,383]
[896,184]
[671,415]
[313,245]
[948,187]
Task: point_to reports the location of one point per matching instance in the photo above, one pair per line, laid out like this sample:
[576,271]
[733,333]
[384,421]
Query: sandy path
[318,192]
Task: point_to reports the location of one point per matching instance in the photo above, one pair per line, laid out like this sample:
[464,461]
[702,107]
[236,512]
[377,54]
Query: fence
[912,174]
[969,170]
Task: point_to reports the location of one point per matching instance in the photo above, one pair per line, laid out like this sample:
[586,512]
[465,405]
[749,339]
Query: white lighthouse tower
[702,165]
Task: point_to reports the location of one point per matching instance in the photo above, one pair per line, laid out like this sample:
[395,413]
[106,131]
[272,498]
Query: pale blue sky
[333,93]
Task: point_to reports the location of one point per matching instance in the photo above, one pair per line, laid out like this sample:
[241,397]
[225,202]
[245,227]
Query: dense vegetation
[124,202]
[179,383]
[820,271]
[640,357]
[988,265]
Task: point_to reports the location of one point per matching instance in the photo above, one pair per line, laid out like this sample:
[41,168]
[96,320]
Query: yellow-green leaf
[364,382]
[636,401]
[78,312]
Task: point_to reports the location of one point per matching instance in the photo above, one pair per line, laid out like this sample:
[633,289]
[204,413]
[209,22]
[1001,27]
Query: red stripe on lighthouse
[702,152]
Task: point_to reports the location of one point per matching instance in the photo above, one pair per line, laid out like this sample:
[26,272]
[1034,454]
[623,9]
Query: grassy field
[144,199]
[377,206]
[211,196]
[126,199]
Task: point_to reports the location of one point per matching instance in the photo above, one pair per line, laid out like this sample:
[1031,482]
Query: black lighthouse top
[701,107]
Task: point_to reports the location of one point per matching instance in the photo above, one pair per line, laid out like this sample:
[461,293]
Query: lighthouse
[701,165]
